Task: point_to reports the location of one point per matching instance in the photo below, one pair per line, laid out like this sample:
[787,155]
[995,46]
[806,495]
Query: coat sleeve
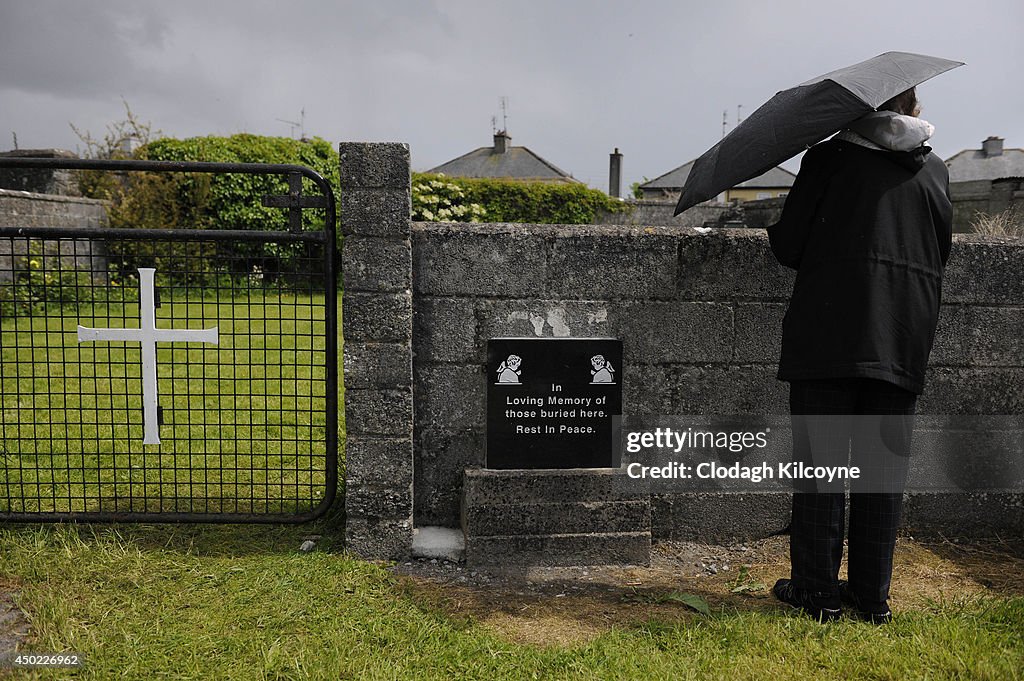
[944,224]
[788,236]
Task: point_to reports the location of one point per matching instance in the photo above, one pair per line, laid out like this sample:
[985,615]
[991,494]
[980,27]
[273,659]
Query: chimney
[615,174]
[502,142]
[993,146]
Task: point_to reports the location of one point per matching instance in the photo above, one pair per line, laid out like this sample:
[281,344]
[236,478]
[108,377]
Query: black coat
[869,233]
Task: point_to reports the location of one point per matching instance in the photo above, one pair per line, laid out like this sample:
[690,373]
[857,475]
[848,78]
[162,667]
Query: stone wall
[699,316]
[377,327]
[27,209]
[59,181]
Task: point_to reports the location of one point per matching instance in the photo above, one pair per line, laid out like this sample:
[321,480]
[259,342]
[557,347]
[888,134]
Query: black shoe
[875,613]
[821,608]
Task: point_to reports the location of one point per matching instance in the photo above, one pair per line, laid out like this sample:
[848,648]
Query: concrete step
[575,517]
[587,516]
[611,548]
[498,487]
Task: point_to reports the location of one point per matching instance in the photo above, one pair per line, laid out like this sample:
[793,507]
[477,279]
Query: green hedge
[235,199]
[457,199]
[214,201]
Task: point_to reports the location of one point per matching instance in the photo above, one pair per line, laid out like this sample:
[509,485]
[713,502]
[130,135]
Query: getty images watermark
[833,453]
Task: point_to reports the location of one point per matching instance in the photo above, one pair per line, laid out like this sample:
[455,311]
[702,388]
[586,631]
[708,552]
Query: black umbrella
[799,117]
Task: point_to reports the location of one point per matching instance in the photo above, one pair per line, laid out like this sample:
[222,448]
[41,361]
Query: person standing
[868,228]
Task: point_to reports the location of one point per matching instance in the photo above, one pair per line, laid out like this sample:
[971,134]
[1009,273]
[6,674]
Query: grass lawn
[144,602]
[243,421]
[243,602]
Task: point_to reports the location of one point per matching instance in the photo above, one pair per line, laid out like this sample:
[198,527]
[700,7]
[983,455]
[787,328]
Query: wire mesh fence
[166,376]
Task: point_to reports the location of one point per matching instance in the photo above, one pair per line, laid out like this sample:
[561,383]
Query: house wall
[984,196]
[753,194]
[757,213]
[660,212]
[969,199]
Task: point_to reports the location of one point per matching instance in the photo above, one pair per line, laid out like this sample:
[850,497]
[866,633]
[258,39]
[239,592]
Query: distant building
[40,180]
[985,181]
[991,162]
[505,162]
[771,185]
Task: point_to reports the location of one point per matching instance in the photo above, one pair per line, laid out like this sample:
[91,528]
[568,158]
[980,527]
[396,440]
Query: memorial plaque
[550,402]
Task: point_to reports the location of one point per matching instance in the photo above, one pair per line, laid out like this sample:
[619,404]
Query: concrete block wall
[700,319]
[377,329]
[690,310]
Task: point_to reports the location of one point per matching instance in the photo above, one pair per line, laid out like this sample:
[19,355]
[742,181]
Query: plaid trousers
[817,527]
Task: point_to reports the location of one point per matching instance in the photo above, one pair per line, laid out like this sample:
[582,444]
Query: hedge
[457,199]
[234,199]
[214,201]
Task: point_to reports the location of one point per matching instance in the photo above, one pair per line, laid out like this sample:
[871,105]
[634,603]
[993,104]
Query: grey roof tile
[775,177]
[973,164]
[517,163]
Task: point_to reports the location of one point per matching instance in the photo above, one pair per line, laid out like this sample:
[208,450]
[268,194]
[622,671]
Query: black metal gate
[170,375]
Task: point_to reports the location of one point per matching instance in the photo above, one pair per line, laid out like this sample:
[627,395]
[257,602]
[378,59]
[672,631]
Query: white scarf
[888,131]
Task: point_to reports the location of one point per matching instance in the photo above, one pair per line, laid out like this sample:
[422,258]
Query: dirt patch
[13,625]
[563,606]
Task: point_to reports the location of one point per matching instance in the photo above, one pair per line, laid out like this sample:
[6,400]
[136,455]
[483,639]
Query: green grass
[241,602]
[244,421]
[144,602]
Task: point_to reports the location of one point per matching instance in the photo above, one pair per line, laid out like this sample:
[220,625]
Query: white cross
[148,335]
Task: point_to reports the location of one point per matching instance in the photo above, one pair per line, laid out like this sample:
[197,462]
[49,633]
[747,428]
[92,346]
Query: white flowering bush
[437,200]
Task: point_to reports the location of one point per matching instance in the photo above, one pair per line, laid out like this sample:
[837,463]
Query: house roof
[775,177]
[974,164]
[516,163]
[675,179]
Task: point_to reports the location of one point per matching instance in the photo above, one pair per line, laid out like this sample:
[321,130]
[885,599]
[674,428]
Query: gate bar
[327,236]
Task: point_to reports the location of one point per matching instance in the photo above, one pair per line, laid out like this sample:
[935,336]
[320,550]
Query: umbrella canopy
[799,117]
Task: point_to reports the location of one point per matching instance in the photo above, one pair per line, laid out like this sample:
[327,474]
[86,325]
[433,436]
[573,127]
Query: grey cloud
[76,48]
[582,77]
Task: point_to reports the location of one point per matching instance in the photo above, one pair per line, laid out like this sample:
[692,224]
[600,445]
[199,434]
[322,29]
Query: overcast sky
[651,77]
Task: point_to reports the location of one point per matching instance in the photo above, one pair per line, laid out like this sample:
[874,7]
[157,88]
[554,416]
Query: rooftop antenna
[725,121]
[300,124]
[494,125]
[292,124]
[739,117]
[15,139]
[504,113]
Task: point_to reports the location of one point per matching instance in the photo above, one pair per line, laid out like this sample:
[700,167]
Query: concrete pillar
[377,328]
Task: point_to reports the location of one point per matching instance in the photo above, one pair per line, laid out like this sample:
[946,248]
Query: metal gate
[170,375]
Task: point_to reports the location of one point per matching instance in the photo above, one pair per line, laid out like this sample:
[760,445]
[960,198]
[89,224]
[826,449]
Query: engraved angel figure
[602,371]
[509,371]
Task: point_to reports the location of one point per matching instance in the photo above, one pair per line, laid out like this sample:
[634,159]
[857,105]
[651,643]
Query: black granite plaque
[550,402]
